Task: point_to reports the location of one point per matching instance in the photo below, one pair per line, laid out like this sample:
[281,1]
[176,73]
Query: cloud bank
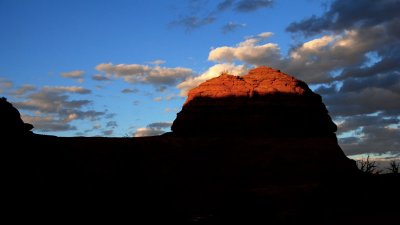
[351,58]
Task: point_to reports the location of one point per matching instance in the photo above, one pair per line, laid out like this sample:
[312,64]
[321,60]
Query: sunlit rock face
[263,102]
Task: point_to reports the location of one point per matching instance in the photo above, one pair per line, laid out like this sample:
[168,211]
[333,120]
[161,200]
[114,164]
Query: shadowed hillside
[257,149]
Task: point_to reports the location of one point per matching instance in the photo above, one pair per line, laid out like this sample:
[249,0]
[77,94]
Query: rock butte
[260,81]
[265,101]
[244,150]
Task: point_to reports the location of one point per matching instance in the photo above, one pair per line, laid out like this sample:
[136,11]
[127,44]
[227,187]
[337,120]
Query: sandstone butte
[240,144]
[264,101]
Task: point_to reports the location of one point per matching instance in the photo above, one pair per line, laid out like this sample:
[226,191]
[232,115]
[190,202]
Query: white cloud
[158,62]
[137,73]
[249,51]
[212,72]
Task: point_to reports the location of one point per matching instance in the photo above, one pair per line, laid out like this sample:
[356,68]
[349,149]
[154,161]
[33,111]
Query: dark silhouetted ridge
[257,149]
[11,122]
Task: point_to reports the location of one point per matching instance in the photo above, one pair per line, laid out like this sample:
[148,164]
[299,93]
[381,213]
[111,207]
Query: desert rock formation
[263,102]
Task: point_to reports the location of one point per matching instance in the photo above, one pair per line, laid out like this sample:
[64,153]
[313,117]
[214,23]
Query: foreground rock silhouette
[11,122]
[258,149]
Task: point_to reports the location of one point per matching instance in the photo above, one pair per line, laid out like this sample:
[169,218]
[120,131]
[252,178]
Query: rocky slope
[263,102]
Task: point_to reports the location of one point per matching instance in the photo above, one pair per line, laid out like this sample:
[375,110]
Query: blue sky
[122,68]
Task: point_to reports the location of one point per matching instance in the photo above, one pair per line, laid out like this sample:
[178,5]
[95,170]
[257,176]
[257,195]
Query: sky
[123,68]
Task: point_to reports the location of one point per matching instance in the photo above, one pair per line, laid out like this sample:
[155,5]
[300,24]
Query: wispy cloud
[200,13]
[73,74]
[193,22]
[231,27]
[152,129]
[138,73]
[23,90]
[76,74]
[5,84]
[51,108]
[252,5]
[100,77]
[129,90]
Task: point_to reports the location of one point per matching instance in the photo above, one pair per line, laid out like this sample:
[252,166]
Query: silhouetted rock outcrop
[11,122]
[265,101]
[258,149]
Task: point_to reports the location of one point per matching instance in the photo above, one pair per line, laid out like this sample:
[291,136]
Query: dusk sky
[122,68]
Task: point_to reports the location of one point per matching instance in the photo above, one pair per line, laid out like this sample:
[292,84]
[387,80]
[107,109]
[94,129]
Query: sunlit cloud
[137,73]
[152,129]
[212,72]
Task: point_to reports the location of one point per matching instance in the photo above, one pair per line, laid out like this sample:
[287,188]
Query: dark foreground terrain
[159,180]
[256,149]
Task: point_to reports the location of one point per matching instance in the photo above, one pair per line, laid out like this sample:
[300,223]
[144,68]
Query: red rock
[263,102]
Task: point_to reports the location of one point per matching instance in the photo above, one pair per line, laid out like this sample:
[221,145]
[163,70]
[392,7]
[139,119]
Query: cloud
[388,81]
[161,88]
[111,124]
[51,109]
[249,52]
[170,110]
[100,77]
[252,5]
[5,84]
[323,59]
[152,129]
[158,62]
[351,56]
[353,123]
[61,89]
[344,14]
[363,53]
[231,27]
[76,74]
[314,60]
[157,99]
[23,90]
[366,101]
[224,5]
[160,125]
[193,22]
[374,139]
[130,90]
[136,73]
[73,74]
[53,99]
[212,72]
[47,123]
[200,13]
[166,98]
